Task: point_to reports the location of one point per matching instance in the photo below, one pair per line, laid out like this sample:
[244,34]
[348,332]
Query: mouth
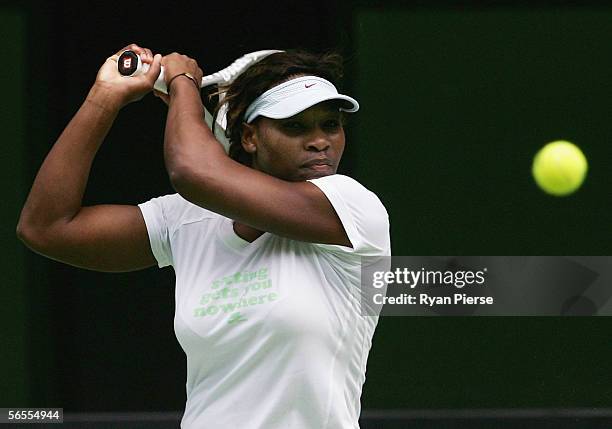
[318,167]
[318,164]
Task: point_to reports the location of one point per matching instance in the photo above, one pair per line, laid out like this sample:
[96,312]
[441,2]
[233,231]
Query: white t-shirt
[272,329]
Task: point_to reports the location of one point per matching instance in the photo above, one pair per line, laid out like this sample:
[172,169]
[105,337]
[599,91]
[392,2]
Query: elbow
[201,183]
[26,235]
[195,173]
[23,230]
[204,190]
[179,179]
[32,237]
[188,183]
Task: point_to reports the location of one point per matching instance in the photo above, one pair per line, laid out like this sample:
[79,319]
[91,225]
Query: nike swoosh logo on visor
[308,86]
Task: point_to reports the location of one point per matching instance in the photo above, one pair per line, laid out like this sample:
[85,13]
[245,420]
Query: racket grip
[129,64]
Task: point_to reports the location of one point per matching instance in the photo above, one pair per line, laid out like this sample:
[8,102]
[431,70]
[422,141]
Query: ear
[249,138]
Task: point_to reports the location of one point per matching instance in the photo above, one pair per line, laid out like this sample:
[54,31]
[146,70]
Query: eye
[293,126]
[331,124]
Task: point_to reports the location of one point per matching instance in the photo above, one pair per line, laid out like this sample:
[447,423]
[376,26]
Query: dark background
[456,98]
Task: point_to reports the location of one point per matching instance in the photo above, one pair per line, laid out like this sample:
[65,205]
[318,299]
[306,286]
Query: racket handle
[129,64]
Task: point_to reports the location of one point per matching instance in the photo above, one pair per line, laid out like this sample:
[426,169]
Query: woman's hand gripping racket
[129,64]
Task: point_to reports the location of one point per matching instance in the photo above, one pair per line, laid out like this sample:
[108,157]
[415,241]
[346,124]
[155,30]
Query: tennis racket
[130,64]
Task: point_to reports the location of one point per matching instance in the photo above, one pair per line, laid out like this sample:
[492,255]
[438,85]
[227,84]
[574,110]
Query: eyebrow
[331,112]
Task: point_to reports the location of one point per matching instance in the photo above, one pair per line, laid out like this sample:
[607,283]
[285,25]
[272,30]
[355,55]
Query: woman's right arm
[53,222]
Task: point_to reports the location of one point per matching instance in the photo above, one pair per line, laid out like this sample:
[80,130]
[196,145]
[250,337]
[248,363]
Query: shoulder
[362,213]
[352,192]
[174,210]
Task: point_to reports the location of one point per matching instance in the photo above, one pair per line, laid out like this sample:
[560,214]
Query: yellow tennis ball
[559,168]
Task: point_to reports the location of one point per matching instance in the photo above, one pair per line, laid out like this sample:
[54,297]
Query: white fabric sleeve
[361,212]
[156,215]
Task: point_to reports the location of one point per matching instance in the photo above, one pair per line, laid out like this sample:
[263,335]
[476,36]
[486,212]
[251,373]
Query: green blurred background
[455,101]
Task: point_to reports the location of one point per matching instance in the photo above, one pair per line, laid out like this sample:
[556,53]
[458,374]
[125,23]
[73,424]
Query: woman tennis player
[266,244]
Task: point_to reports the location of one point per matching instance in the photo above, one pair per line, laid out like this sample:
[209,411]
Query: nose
[318,141]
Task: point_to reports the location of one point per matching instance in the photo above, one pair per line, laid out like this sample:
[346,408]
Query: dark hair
[260,77]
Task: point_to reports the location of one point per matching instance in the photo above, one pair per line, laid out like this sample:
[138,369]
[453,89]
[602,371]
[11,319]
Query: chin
[314,174]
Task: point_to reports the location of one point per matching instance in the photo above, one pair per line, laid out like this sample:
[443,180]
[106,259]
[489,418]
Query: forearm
[190,148]
[58,188]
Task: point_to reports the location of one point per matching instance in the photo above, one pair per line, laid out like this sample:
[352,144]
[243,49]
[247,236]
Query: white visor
[296,95]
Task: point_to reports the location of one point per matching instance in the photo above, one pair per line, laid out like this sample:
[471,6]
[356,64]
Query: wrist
[103,96]
[182,77]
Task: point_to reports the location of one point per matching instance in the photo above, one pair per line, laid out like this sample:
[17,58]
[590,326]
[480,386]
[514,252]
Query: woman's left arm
[202,173]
